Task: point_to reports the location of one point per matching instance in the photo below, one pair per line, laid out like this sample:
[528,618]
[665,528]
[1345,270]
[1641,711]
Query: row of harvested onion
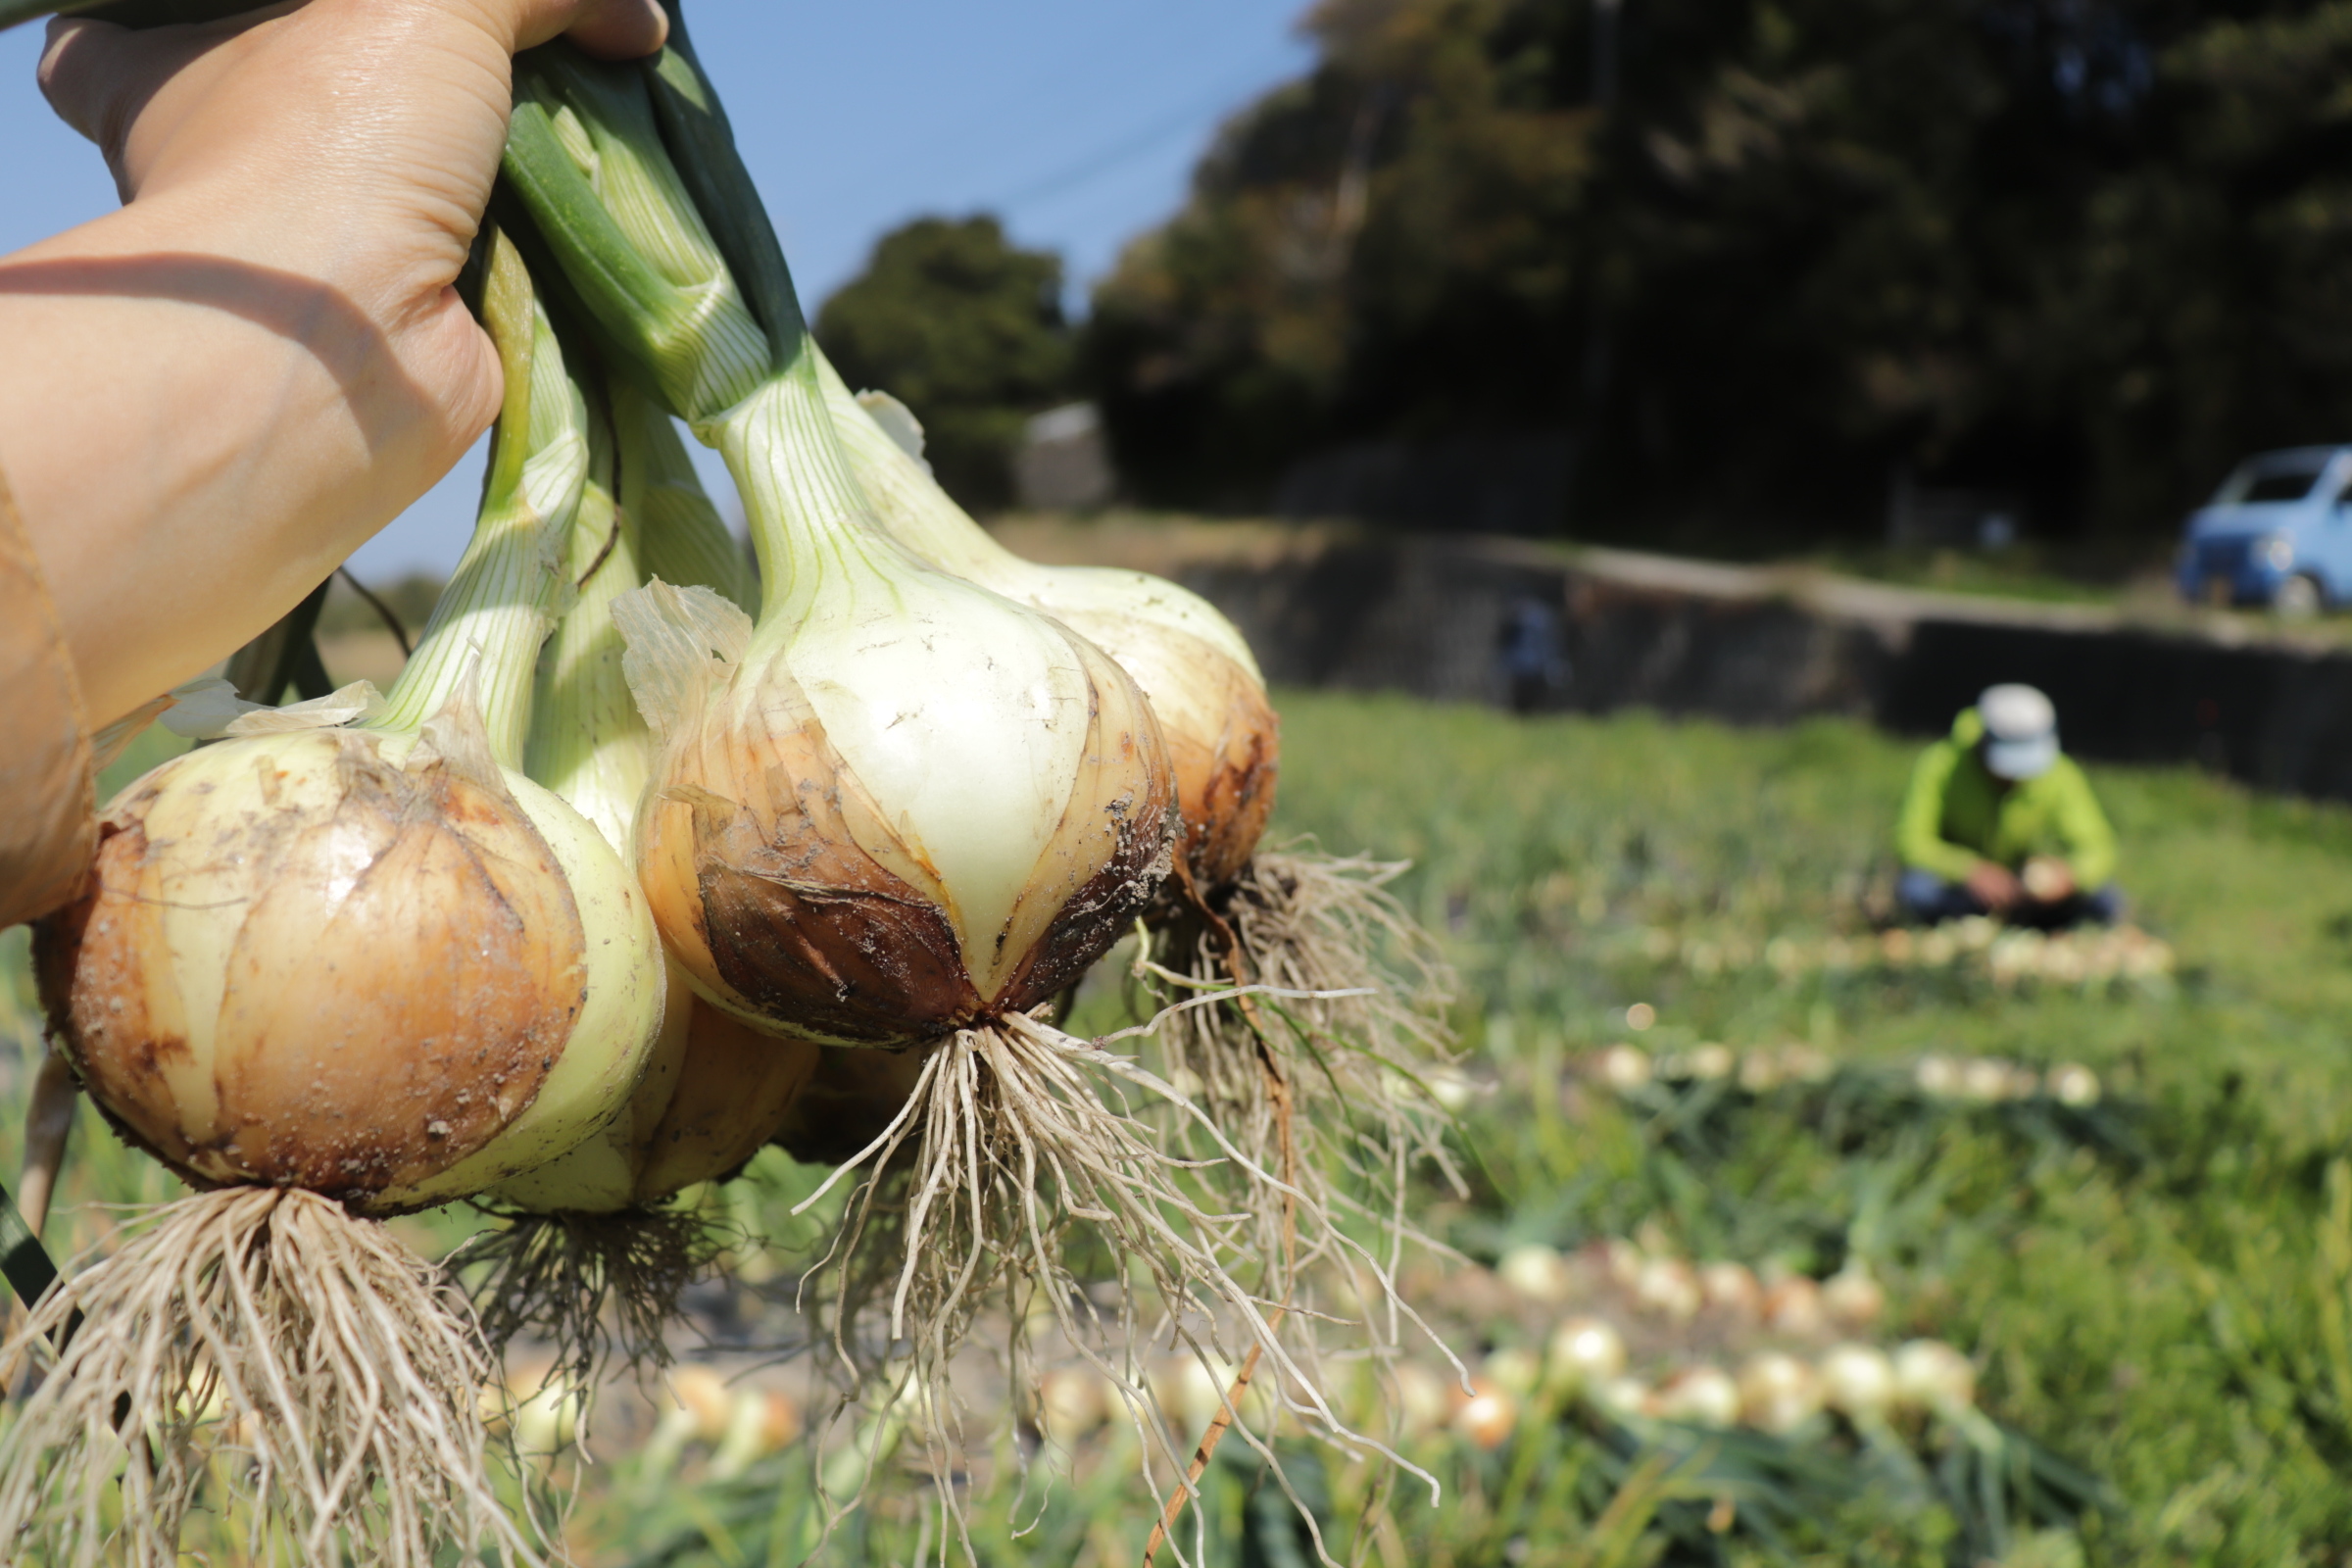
[637,868]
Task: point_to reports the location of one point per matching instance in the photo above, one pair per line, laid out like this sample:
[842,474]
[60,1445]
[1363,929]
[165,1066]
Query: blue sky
[1077,120]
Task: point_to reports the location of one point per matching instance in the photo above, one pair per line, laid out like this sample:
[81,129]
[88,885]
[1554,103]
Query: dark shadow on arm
[321,320]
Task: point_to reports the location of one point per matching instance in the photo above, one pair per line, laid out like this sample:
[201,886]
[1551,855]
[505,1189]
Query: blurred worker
[1997,821]
[1526,645]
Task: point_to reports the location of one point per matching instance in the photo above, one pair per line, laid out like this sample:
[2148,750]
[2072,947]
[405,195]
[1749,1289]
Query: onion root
[264,1341]
[599,1289]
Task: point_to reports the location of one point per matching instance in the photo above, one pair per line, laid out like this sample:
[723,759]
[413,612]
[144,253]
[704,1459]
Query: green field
[2156,1289]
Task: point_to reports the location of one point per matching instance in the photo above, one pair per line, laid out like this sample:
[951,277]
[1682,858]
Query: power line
[1183,119]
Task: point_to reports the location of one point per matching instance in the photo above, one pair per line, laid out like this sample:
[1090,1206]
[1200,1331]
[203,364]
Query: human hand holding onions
[270,319]
[350,962]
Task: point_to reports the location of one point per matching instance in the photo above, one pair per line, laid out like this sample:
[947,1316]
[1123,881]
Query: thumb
[96,76]
[100,77]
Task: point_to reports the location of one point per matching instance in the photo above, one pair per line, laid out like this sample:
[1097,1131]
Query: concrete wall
[1423,616]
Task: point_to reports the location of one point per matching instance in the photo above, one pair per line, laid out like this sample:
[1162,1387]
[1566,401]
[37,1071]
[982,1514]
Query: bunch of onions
[1322,1067]
[593,1254]
[328,974]
[898,809]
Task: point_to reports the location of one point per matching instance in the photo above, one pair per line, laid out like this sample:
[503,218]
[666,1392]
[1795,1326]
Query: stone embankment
[2268,704]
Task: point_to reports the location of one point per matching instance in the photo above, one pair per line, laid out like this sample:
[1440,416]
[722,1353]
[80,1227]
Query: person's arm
[1919,830]
[2090,839]
[47,832]
[212,397]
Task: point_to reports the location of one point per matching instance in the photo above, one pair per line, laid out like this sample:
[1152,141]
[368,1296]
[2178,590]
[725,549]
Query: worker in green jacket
[1998,821]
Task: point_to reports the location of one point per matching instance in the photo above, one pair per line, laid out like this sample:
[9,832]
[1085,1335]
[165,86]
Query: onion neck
[684,542]
[809,521]
[924,517]
[489,622]
[587,741]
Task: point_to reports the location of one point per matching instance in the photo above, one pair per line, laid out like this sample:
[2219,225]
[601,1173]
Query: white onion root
[1349,1025]
[1013,1132]
[264,1342]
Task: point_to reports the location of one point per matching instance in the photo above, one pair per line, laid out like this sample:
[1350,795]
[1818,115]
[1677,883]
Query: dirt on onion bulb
[328,973]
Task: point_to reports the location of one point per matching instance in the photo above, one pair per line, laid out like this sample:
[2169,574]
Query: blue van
[2278,532]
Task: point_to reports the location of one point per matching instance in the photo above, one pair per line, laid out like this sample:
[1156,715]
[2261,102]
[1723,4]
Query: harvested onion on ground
[593,1254]
[328,973]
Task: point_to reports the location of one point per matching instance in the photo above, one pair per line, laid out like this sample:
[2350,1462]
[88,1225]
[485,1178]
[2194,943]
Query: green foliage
[2082,250]
[2160,1303]
[2156,1289]
[964,328]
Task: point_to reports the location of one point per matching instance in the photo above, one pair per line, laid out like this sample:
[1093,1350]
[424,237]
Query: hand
[212,396]
[2048,880]
[1993,885]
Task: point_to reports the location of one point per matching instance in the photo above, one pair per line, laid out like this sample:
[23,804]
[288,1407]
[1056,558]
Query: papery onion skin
[739,1085]
[301,963]
[713,1096]
[1224,741]
[784,889]
[1222,735]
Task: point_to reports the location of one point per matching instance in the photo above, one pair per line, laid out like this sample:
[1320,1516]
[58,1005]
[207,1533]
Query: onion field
[1728,1153]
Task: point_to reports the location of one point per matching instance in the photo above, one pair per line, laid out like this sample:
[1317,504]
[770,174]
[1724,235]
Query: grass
[2157,1293]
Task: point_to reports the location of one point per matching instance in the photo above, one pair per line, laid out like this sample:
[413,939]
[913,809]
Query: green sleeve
[1919,832]
[2089,841]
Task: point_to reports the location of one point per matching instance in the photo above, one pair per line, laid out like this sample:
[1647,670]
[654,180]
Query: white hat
[2020,731]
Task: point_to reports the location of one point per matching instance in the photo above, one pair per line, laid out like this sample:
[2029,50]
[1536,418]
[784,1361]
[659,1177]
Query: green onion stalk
[594,1251]
[349,963]
[898,809]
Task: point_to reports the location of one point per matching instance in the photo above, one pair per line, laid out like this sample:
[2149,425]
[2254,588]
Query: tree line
[1751,259]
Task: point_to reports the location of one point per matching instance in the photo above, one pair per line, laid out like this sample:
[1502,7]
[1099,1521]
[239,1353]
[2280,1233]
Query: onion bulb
[1702,1396]
[1301,922]
[1778,1393]
[1857,1381]
[1585,1352]
[1194,667]
[1363,977]
[899,804]
[332,972]
[898,808]
[592,1258]
[1929,1375]
[1487,1415]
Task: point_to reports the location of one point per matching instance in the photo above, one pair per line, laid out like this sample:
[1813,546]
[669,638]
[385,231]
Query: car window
[2268,484]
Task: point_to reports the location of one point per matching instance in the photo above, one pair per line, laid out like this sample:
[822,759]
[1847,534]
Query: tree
[2084,250]
[967,331]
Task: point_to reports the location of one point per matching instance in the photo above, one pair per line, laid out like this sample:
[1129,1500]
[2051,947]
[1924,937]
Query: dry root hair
[1015,1133]
[1315,987]
[600,1291]
[264,1346]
